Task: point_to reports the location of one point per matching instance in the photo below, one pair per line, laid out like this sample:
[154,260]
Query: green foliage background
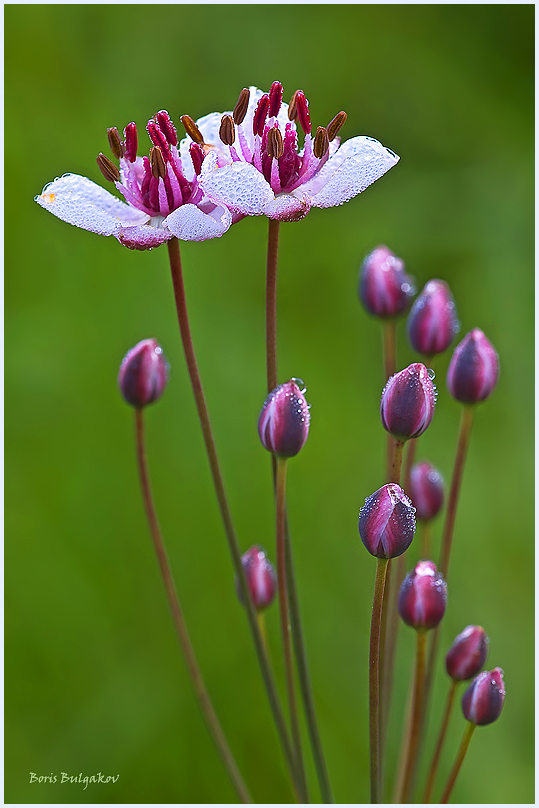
[94,680]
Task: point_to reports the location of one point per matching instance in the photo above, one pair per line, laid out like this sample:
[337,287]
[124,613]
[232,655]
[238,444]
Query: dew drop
[432,374]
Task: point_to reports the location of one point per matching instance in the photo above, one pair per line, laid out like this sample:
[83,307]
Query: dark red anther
[275,99]
[321,142]
[197,156]
[226,130]
[131,142]
[158,138]
[240,110]
[259,118]
[107,168]
[192,129]
[293,108]
[274,144]
[303,112]
[167,127]
[157,163]
[338,121]
[115,143]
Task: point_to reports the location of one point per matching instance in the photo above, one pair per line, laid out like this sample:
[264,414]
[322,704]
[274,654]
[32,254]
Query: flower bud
[143,373]
[423,596]
[432,323]
[474,369]
[468,653]
[408,400]
[283,424]
[385,289]
[387,522]
[260,575]
[426,490]
[483,700]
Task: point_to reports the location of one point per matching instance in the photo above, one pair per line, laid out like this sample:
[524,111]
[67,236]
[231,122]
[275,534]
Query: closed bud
[423,596]
[474,369]
[432,323]
[426,490]
[261,577]
[387,522]
[408,402]
[143,373]
[468,654]
[385,289]
[483,701]
[283,424]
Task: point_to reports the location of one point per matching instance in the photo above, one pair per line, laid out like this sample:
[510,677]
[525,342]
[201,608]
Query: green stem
[415,727]
[285,622]
[192,367]
[439,745]
[374,678]
[426,528]
[390,347]
[468,732]
[202,695]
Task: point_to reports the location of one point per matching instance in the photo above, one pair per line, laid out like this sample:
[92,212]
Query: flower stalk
[468,732]
[415,726]
[440,742]
[374,678]
[201,693]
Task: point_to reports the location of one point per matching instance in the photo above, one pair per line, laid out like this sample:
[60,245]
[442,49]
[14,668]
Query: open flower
[256,166]
[163,196]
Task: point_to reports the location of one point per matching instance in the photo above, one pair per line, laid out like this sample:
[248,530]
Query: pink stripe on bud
[261,577]
[283,425]
[423,596]
[483,701]
[143,373]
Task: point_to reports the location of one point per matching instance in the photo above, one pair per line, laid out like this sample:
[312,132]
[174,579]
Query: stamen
[158,138]
[192,129]
[321,142]
[226,130]
[275,99]
[274,146]
[240,110]
[115,143]
[293,108]
[167,127]
[197,156]
[303,112]
[131,142]
[338,121]
[259,118]
[157,163]
[107,168]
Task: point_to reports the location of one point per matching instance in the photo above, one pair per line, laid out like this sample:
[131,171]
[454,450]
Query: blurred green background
[94,679]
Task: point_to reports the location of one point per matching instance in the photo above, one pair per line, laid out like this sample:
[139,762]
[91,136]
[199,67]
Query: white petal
[189,223]
[81,202]
[143,237]
[239,186]
[354,166]
[209,129]
[288,208]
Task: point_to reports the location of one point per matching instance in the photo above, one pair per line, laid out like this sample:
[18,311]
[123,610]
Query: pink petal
[288,208]
[143,237]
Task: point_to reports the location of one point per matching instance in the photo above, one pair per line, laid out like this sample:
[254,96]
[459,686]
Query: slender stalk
[398,780]
[202,695]
[389,338]
[410,457]
[297,631]
[468,732]
[415,727]
[439,744]
[267,675]
[397,462]
[466,424]
[374,678]
[285,622]
[271,303]
[426,528]
[263,631]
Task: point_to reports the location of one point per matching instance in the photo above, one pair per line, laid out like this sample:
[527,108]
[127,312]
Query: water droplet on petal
[432,374]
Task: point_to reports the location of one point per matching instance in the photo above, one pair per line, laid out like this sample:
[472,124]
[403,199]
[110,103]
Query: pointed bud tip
[468,653]
[483,701]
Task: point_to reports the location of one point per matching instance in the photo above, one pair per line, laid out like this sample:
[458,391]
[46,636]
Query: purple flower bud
[483,700]
[143,373]
[385,289]
[433,323]
[408,400]
[261,578]
[423,596]
[283,424]
[474,369]
[387,522]
[468,653]
[426,490]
